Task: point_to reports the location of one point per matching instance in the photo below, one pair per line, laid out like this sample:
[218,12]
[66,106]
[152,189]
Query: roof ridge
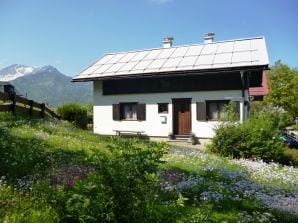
[186,45]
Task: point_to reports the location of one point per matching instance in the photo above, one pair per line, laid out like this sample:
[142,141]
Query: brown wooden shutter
[116,112]
[141,113]
[237,108]
[201,111]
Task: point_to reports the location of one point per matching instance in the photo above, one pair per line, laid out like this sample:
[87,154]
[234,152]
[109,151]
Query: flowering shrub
[256,138]
[277,115]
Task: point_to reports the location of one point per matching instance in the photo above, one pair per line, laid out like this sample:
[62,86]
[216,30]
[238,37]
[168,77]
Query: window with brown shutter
[141,112]
[129,112]
[201,111]
[116,112]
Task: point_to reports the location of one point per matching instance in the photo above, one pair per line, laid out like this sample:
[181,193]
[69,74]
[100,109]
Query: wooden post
[42,106]
[31,107]
[13,105]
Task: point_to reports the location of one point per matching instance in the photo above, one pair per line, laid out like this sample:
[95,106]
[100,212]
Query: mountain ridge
[46,84]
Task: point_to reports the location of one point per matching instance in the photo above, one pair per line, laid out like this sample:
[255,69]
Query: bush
[290,157]
[228,141]
[262,139]
[123,187]
[278,116]
[256,138]
[74,113]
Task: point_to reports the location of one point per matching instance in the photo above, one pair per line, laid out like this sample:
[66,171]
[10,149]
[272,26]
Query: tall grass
[51,171]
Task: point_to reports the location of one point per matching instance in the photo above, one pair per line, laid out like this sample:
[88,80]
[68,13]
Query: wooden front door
[181,116]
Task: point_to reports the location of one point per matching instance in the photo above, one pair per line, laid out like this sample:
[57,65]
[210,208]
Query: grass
[53,172]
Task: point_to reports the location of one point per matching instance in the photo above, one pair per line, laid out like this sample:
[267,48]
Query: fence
[17,104]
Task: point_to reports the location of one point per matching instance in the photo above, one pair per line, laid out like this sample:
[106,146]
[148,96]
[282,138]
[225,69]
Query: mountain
[15,71]
[47,85]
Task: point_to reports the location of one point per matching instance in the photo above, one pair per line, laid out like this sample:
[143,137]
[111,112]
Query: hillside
[53,172]
[46,84]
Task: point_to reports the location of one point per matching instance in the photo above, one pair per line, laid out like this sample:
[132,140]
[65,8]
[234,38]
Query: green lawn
[51,171]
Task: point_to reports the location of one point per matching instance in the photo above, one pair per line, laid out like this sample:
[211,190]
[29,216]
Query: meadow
[51,171]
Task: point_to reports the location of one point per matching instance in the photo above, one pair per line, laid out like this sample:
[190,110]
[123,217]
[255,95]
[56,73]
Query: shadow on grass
[25,156]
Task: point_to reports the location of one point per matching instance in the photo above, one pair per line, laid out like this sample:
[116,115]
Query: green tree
[283,87]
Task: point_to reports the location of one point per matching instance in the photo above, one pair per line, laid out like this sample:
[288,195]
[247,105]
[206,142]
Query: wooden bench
[127,132]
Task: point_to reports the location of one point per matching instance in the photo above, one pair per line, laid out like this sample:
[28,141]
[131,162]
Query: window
[128,111]
[215,109]
[162,107]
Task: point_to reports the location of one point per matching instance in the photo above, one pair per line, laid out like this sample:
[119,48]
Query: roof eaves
[180,72]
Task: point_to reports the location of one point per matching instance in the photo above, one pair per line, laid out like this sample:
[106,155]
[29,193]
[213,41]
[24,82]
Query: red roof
[260,91]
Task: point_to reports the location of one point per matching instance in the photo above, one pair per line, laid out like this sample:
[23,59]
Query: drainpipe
[244,103]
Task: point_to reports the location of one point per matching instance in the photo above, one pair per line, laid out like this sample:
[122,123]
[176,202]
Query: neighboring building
[6,87]
[175,89]
[258,93]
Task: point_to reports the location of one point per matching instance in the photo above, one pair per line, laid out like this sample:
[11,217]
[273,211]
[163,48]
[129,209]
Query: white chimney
[167,42]
[208,37]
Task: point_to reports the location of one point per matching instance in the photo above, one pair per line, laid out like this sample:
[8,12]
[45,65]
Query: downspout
[242,84]
[244,103]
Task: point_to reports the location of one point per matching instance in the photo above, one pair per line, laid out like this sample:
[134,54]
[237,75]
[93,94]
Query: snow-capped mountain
[46,84]
[15,71]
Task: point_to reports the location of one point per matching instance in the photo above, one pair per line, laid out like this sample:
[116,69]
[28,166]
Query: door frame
[175,100]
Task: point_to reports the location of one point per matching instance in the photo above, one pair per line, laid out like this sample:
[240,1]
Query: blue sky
[72,34]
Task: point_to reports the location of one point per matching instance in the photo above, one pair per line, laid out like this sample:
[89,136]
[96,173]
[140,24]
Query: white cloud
[162,1]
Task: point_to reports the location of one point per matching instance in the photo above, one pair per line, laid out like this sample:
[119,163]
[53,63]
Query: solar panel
[172,62]
[194,50]
[188,61]
[102,69]
[227,47]
[127,57]
[180,52]
[116,58]
[223,58]
[156,64]
[115,67]
[143,65]
[241,57]
[231,53]
[104,59]
[90,70]
[242,46]
[205,60]
[139,56]
[166,53]
[209,49]
[153,54]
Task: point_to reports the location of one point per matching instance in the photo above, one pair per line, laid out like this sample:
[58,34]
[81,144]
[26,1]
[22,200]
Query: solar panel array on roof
[224,54]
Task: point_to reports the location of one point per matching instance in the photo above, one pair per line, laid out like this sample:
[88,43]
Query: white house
[175,89]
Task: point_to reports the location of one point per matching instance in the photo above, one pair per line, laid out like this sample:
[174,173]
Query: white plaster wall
[103,114]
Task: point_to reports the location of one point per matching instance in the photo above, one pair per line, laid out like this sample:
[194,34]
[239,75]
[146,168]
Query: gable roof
[249,52]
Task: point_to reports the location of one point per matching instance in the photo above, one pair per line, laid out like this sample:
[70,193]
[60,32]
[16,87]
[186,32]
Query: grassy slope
[38,155]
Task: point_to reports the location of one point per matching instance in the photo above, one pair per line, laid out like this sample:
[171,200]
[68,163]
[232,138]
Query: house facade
[175,89]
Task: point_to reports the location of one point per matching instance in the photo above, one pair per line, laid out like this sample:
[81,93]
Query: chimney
[167,42]
[208,37]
